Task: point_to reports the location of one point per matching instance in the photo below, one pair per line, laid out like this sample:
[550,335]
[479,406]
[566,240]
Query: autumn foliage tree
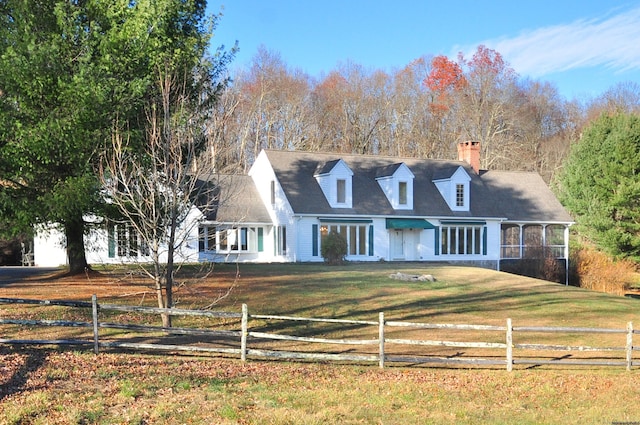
[486,107]
[445,78]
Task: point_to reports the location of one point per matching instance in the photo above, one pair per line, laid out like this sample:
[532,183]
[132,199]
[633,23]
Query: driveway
[10,275]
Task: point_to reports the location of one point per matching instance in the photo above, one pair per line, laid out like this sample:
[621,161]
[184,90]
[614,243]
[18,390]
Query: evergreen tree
[600,184]
[73,73]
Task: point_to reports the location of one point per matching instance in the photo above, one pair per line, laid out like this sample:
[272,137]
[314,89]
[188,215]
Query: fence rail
[236,341]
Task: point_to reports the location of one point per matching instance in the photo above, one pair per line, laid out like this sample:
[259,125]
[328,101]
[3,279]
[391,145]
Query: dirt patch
[80,287]
[112,286]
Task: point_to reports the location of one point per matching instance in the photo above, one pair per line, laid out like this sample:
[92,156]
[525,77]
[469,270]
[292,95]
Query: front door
[397,245]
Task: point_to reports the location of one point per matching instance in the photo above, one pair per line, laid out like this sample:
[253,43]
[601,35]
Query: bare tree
[485,114]
[420,110]
[352,107]
[266,108]
[155,188]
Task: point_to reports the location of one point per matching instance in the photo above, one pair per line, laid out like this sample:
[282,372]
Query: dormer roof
[387,170]
[327,167]
[391,169]
[446,172]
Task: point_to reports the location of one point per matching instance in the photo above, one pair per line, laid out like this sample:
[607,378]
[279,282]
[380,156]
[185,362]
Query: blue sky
[583,47]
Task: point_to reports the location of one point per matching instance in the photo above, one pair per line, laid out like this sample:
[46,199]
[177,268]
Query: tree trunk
[74,232]
[162,303]
[170,260]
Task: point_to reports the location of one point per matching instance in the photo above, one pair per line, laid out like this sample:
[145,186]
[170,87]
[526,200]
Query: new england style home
[388,209]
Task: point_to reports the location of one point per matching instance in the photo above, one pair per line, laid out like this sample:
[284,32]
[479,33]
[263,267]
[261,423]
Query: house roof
[523,196]
[236,201]
[514,196]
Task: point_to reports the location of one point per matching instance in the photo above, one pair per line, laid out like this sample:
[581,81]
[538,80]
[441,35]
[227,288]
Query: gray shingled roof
[522,196]
[515,196]
[237,201]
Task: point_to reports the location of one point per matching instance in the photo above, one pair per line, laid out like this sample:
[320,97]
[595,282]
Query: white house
[388,209]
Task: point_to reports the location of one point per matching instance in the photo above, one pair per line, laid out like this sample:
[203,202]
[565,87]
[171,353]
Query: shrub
[597,271]
[334,248]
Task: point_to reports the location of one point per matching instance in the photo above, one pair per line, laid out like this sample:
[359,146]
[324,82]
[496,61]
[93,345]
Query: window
[402,193]
[459,195]
[461,240]
[357,236]
[273,192]
[510,241]
[223,239]
[341,191]
[206,238]
[554,240]
[532,240]
[124,241]
[280,240]
[223,245]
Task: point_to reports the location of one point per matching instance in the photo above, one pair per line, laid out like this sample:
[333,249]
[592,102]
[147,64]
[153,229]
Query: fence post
[244,332]
[94,308]
[381,338]
[509,346]
[629,345]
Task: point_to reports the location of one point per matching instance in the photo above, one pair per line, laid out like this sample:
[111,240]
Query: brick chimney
[470,153]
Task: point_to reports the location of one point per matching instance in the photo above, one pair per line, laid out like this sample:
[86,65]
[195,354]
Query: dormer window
[396,181]
[335,179]
[453,183]
[341,191]
[459,195]
[402,193]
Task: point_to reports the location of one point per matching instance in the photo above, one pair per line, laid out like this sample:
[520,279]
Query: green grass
[62,387]
[460,295]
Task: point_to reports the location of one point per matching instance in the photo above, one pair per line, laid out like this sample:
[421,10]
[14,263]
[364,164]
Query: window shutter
[436,237]
[260,239]
[371,240]
[484,240]
[314,240]
[284,240]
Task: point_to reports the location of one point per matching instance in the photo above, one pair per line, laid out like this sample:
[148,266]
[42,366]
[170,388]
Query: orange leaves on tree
[487,60]
[445,77]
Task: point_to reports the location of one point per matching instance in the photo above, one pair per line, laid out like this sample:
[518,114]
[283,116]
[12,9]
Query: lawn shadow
[16,383]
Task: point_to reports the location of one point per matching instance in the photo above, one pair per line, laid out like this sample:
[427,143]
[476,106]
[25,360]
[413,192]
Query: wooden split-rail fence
[412,351]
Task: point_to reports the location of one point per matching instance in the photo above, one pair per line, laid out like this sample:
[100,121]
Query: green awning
[409,223]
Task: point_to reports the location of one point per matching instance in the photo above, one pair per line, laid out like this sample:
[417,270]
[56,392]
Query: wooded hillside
[421,110]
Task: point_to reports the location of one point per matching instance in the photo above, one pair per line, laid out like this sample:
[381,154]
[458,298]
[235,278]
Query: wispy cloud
[612,41]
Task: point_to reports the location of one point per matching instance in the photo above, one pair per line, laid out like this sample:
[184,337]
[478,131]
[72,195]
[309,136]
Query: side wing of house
[108,242]
[244,226]
[49,247]
[535,224]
